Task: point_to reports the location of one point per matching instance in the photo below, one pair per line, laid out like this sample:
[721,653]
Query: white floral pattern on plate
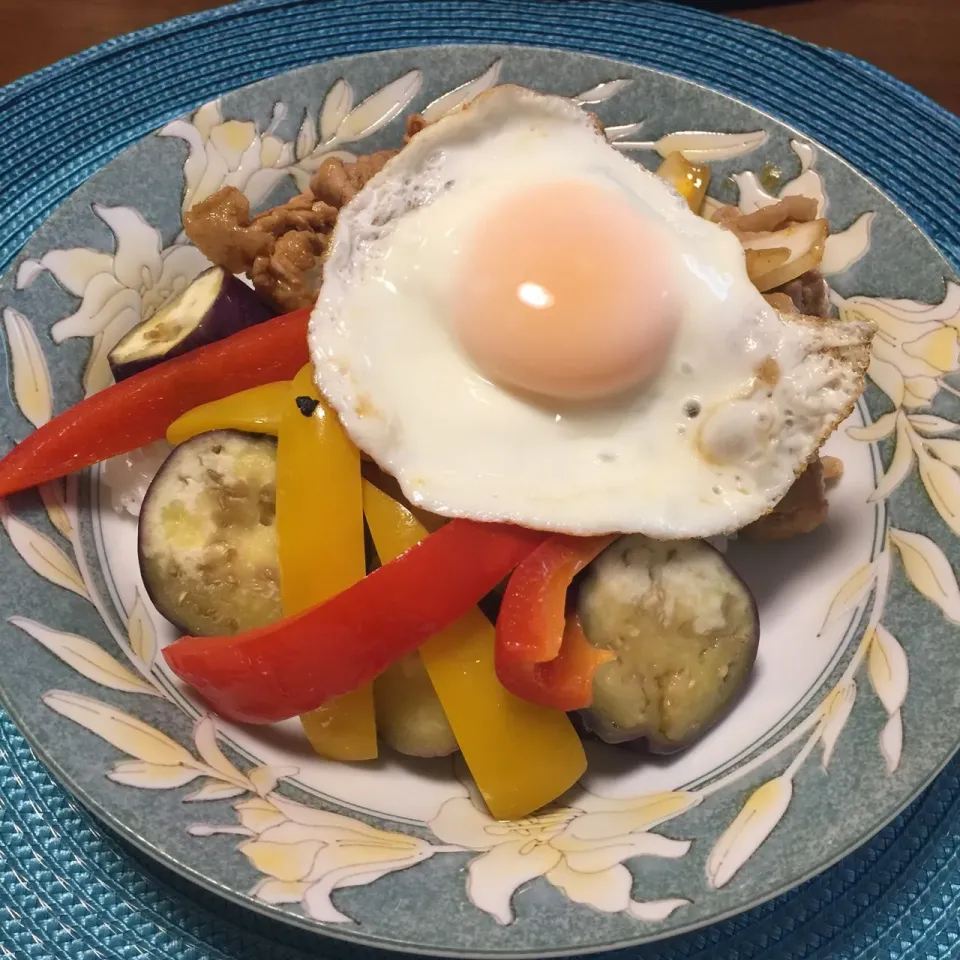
[580,846]
[229,153]
[118,289]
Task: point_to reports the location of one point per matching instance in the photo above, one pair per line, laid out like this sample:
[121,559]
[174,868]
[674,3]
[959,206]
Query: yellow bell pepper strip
[391,487]
[522,756]
[256,410]
[320,542]
[541,655]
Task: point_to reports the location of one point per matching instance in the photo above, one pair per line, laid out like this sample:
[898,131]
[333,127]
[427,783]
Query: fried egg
[523,325]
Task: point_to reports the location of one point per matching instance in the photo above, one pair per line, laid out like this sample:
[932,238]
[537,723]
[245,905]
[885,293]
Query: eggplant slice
[410,717]
[213,307]
[685,630]
[208,535]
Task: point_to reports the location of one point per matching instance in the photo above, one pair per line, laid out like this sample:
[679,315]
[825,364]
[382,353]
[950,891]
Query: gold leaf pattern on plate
[888,669]
[938,349]
[86,657]
[601,92]
[126,733]
[314,852]
[700,146]
[31,378]
[41,554]
[618,132]
[379,108]
[753,824]
[215,790]
[580,849]
[151,776]
[846,247]
[891,741]
[851,592]
[317,898]
[607,891]
[900,464]
[306,137]
[942,484]
[463,94]
[591,857]
[205,738]
[336,105]
[947,451]
[493,877]
[915,345]
[613,818]
[929,571]
[74,269]
[96,375]
[712,146]
[258,814]
[211,830]
[266,778]
[932,426]
[355,864]
[885,375]
[837,709]
[880,428]
[651,911]
[54,499]
[141,633]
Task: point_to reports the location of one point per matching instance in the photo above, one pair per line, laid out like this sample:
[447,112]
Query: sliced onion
[774,216]
[722,213]
[774,259]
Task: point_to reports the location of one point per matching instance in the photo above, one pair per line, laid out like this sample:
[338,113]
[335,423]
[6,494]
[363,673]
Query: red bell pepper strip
[542,656]
[138,410]
[298,663]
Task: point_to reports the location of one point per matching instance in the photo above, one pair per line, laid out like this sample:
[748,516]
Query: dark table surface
[915,40]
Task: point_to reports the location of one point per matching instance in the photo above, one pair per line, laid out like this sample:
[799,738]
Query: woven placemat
[69,888]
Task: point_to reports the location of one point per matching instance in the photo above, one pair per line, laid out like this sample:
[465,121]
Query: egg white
[706,447]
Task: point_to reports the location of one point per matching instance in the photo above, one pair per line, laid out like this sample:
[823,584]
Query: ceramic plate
[853,705]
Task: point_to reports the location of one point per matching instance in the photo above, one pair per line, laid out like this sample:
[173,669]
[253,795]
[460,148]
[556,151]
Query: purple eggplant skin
[212,308]
[207,537]
[685,630]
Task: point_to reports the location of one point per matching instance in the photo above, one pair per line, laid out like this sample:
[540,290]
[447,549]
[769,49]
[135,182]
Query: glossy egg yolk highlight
[566,291]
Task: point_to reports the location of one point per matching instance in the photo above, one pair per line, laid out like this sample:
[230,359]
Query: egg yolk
[565,290]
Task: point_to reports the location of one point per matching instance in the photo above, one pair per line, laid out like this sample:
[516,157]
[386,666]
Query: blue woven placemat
[69,888]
